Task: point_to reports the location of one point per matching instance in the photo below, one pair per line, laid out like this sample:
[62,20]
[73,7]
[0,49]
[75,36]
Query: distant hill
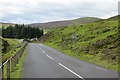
[85,20]
[78,21]
[54,24]
[2,24]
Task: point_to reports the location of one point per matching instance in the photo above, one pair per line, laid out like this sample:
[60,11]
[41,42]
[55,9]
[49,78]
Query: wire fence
[9,65]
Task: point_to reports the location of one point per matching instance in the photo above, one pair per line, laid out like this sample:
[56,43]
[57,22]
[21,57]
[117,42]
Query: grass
[46,31]
[87,57]
[5,25]
[18,69]
[14,46]
[96,42]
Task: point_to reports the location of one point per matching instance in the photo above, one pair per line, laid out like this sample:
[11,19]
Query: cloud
[29,11]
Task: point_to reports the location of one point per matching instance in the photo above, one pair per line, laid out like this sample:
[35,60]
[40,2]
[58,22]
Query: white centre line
[39,47]
[71,71]
[50,57]
[43,51]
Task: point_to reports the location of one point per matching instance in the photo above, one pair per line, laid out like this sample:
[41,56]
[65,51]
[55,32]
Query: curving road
[44,62]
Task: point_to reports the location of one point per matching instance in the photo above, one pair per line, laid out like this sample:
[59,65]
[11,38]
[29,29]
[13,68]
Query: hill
[96,42]
[65,23]
[2,24]
[58,23]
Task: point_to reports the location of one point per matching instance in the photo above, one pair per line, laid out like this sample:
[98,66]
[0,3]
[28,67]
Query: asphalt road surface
[44,62]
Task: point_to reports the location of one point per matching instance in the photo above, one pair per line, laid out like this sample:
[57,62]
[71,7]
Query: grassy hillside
[85,20]
[4,25]
[11,46]
[96,42]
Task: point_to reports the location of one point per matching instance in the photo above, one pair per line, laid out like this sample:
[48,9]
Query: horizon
[52,21]
[13,11]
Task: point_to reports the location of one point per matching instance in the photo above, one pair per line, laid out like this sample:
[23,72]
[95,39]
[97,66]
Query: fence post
[8,70]
[12,63]
[17,56]
[2,72]
[15,59]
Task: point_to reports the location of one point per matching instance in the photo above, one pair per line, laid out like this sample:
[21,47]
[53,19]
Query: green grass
[46,31]
[87,57]
[96,42]
[17,73]
[14,46]
[5,25]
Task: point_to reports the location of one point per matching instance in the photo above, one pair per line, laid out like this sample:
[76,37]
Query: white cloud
[20,21]
[50,10]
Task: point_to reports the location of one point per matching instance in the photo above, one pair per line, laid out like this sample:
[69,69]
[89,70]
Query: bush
[5,45]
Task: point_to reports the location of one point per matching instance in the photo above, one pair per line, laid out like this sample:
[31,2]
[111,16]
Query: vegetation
[18,69]
[11,34]
[96,42]
[5,46]
[21,31]
[5,25]
[11,46]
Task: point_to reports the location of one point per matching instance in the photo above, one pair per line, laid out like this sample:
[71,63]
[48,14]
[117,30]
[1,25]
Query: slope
[65,23]
[96,42]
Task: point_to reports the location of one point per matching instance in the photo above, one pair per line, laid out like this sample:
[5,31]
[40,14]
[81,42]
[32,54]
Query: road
[44,62]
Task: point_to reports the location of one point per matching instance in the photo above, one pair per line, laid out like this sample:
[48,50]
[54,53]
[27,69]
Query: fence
[8,66]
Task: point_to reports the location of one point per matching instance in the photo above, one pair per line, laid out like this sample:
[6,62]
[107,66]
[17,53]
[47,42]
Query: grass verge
[18,69]
[88,58]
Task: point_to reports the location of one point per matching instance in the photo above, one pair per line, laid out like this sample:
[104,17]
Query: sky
[41,11]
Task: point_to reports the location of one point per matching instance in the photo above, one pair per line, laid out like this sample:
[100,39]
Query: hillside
[96,42]
[65,23]
[9,47]
[2,24]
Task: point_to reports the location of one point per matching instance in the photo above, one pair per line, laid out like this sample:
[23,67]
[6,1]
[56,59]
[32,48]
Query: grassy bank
[11,47]
[88,58]
[96,42]
[18,69]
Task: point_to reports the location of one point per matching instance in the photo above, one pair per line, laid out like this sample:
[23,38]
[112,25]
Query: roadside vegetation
[10,47]
[17,73]
[96,42]
[11,35]
[12,40]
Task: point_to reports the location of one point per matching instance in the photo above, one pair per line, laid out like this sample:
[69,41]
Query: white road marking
[40,47]
[71,71]
[43,51]
[50,57]
[63,65]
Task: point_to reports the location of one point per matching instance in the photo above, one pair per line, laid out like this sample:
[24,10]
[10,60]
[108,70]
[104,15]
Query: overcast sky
[34,11]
